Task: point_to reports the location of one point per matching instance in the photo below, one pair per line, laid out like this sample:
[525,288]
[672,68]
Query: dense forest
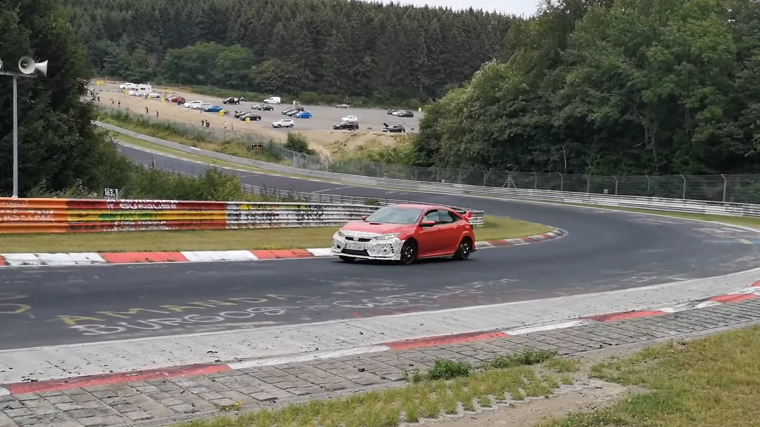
[350,49]
[609,87]
[60,151]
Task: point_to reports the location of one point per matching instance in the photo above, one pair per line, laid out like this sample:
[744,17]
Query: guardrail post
[616,184]
[561,182]
[683,193]
[415,173]
[535,181]
[485,178]
[460,176]
[588,183]
[648,183]
[725,186]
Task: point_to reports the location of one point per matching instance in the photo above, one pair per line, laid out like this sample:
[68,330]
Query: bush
[298,143]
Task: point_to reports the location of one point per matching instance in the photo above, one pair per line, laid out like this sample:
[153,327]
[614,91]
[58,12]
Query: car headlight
[340,234]
[387,236]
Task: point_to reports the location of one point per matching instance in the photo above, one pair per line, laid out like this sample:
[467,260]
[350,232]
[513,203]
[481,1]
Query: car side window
[447,217]
[431,216]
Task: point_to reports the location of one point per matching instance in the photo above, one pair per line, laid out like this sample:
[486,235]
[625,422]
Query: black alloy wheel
[409,252]
[464,250]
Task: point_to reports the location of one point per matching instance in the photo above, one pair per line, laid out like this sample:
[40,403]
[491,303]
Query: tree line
[354,49]
[611,87]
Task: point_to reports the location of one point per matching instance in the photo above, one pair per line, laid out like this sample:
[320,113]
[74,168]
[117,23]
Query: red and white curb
[744,294]
[93,258]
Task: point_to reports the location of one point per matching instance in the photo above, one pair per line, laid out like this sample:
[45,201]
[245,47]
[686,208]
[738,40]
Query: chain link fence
[719,188]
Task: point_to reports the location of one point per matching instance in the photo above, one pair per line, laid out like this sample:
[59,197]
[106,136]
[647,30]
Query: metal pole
[15,138]
[725,186]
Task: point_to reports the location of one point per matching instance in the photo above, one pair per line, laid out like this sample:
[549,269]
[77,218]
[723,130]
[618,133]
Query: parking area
[318,129]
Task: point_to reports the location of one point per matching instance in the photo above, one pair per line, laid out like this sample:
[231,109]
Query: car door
[449,233]
[427,237]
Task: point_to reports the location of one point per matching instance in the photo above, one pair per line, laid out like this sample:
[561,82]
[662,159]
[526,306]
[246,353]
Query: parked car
[350,119]
[262,107]
[175,99]
[237,114]
[273,100]
[302,115]
[214,109]
[291,111]
[405,233]
[151,95]
[403,113]
[342,106]
[284,123]
[253,116]
[127,86]
[391,111]
[347,125]
[233,100]
[394,128]
[192,104]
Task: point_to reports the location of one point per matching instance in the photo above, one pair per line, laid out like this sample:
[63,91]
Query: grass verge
[711,382]
[446,389]
[277,238]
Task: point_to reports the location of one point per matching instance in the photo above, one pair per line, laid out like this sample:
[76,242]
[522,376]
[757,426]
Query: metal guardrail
[477,220]
[22,216]
[653,203]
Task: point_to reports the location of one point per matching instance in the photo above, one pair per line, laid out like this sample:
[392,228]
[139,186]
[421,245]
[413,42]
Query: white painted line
[307,357]
[708,304]
[320,252]
[56,259]
[87,258]
[549,327]
[4,392]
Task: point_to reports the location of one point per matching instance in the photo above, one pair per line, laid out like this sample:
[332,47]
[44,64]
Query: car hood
[379,228]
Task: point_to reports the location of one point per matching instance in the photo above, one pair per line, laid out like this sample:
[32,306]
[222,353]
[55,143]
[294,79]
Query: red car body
[405,233]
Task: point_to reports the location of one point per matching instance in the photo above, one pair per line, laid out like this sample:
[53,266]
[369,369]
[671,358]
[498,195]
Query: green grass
[446,387]
[711,382]
[210,240]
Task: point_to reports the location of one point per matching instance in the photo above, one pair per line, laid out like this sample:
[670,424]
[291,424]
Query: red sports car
[405,233]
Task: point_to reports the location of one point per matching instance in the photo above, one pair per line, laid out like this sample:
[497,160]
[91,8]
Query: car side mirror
[364,218]
[427,223]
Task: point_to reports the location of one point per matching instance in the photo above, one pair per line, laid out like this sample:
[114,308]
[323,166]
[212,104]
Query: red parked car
[176,99]
[405,233]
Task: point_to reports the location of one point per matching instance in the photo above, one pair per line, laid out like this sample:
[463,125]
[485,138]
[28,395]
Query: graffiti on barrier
[150,205]
[14,307]
[253,216]
[310,213]
[15,203]
[190,319]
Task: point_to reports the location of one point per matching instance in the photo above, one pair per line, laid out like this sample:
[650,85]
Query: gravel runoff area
[318,129]
[162,401]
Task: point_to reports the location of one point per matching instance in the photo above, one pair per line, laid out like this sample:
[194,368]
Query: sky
[512,7]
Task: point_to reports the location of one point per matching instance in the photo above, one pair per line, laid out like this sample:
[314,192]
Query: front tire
[464,250]
[409,252]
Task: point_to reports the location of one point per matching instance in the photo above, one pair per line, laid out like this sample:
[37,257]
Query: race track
[605,250]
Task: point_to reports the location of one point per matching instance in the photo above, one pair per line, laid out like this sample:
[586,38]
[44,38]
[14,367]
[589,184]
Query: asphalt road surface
[605,250]
[323,117]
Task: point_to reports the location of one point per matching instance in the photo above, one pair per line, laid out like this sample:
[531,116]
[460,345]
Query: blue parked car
[213,109]
[303,115]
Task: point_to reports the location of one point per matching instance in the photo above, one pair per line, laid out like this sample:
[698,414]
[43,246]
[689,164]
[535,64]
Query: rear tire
[464,250]
[409,252]
[347,258]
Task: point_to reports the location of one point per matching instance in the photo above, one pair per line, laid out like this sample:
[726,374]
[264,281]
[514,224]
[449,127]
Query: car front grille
[355,252]
[360,239]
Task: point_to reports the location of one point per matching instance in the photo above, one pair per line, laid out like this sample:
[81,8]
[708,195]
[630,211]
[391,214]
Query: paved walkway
[165,401]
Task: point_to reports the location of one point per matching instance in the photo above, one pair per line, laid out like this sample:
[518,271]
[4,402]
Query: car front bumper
[386,249]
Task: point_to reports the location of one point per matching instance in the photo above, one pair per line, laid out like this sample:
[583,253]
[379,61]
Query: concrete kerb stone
[76,259]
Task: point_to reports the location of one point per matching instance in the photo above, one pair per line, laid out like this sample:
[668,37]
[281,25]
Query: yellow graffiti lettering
[250,300]
[212,303]
[181,308]
[129,313]
[72,320]
[14,308]
[9,296]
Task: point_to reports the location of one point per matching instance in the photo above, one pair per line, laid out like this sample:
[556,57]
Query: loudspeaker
[27,66]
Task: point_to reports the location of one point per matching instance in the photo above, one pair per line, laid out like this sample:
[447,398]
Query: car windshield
[396,215]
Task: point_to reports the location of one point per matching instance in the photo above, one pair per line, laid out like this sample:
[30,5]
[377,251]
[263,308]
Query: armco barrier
[477,220]
[85,216]
[654,203]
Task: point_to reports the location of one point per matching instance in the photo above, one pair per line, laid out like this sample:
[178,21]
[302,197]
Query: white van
[273,100]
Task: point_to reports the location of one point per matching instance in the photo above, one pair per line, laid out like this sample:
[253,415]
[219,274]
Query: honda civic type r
[405,233]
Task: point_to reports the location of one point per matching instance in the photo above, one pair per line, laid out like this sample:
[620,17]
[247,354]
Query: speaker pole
[15,137]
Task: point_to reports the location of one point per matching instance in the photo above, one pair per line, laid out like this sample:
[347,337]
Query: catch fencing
[477,219]
[507,192]
[21,216]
